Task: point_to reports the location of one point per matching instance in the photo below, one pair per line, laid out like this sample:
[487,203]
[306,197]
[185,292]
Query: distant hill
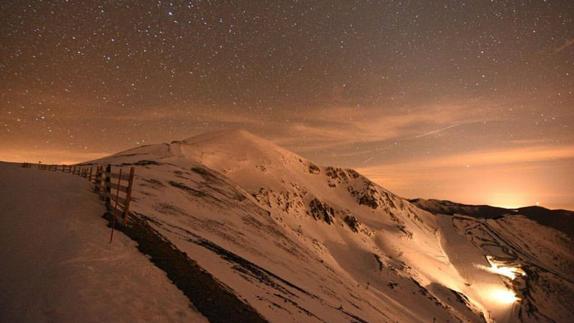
[562,220]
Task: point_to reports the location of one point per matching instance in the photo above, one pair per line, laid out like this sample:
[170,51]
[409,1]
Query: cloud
[339,126]
[437,131]
[488,157]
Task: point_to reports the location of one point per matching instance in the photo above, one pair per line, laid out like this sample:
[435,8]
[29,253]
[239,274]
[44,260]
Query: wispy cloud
[437,131]
[350,125]
[488,157]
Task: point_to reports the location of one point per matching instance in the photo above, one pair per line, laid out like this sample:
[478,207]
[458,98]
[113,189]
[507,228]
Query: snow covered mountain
[302,242]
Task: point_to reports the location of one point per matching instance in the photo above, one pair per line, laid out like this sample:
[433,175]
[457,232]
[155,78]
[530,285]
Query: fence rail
[113,184]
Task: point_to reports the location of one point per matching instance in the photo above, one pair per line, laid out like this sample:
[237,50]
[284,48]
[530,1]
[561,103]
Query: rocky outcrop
[371,196]
[352,222]
[314,169]
[321,211]
[286,201]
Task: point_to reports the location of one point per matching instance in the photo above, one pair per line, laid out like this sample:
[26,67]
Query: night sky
[464,100]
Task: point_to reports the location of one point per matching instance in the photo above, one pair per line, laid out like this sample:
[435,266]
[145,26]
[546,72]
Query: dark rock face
[338,174]
[321,211]
[369,196]
[369,200]
[352,222]
[314,169]
[353,173]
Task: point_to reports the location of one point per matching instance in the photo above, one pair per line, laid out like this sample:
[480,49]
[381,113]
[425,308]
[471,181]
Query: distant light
[503,269]
[502,296]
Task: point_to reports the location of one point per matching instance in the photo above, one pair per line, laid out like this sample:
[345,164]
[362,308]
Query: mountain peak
[237,148]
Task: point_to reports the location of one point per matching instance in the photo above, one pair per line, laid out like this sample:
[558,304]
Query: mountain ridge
[364,251]
[559,219]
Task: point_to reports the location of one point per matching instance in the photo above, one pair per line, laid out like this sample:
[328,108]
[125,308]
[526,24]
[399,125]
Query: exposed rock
[353,173]
[355,225]
[372,197]
[314,169]
[352,222]
[337,174]
[321,211]
[369,196]
[403,229]
[286,201]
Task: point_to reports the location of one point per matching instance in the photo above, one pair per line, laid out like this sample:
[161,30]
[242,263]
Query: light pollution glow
[503,269]
[497,294]
[502,296]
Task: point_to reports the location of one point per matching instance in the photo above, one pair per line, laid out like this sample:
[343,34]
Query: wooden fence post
[98,180]
[108,186]
[115,209]
[128,195]
[90,175]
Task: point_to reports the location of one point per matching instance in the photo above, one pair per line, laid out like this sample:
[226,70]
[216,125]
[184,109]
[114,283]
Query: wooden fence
[113,184]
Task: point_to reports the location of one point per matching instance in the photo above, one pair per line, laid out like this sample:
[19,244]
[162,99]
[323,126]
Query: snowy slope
[57,264]
[523,238]
[302,242]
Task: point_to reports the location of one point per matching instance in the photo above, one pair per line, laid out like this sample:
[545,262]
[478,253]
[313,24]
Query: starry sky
[470,101]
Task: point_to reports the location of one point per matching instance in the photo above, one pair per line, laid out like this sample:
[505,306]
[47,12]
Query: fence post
[98,180]
[108,186]
[90,175]
[128,195]
[119,183]
[115,209]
